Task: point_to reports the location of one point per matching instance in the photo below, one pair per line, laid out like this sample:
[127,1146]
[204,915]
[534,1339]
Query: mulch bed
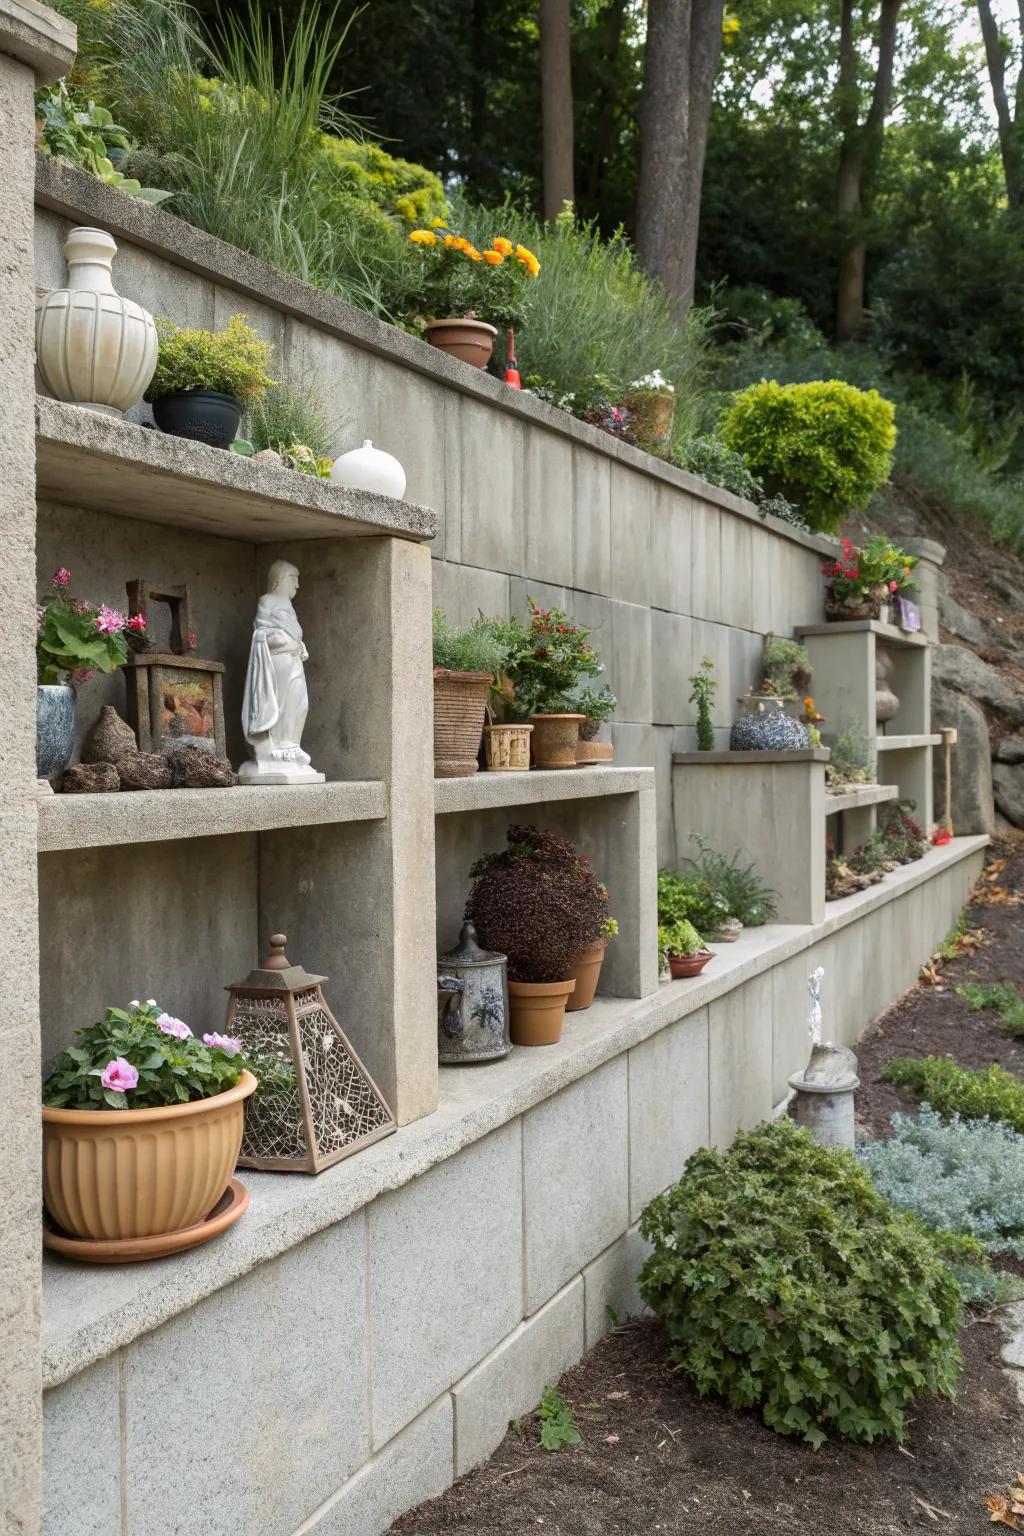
[655,1458]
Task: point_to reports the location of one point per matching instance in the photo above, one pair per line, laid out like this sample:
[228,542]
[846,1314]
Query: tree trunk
[684,42]
[556,104]
[593,176]
[1009,125]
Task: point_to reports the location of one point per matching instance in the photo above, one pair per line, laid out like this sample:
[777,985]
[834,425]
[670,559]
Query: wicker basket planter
[460,701]
[554,740]
[508,748]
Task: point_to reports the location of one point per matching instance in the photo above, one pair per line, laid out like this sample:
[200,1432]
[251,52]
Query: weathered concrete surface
[40,40]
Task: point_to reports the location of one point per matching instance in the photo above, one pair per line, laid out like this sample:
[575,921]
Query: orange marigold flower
[471,251]
[493,258]
[502,246]
[528,260]
[423,237]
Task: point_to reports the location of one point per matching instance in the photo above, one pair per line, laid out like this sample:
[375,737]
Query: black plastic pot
[201,414]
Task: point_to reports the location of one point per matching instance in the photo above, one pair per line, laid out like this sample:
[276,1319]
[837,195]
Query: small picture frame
[909,615]
[175,701]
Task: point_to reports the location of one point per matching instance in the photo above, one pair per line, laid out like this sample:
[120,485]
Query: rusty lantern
[316,1103]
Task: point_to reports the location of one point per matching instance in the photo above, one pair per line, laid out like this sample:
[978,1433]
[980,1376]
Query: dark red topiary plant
[538,902]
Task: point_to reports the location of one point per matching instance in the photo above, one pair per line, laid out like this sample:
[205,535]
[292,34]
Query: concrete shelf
[858,795]
[165,815]
[108,465]
[890,633]
[906,743]
[490,791]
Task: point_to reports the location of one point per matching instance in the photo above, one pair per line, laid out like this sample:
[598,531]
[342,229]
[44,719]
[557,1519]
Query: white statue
[814,981]
[276,703]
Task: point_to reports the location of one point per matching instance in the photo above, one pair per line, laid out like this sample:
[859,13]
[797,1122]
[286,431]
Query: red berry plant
[538,902]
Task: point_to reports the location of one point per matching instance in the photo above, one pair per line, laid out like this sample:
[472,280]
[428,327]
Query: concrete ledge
[39,37]
[163,815]
[859,795]
[906,743]
[802,755]
[488,791]
[89,1313]
[96,462]
[890,633]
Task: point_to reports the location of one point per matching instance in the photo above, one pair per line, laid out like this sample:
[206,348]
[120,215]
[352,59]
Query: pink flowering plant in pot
[76,639]
[142,1125]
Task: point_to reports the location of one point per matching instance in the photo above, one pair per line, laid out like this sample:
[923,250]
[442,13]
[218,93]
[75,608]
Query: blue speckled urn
[55,728]
[772,731]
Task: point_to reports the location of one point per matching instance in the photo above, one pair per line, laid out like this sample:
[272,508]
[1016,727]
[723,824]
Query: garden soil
[655,1458]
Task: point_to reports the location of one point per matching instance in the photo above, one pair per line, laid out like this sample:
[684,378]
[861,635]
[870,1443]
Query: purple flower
[223,1043]
[119,1075]
[172,1026]
[109,622]
[62,577]
[81,675]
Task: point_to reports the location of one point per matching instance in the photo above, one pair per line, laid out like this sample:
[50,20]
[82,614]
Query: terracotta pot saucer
[233,1203]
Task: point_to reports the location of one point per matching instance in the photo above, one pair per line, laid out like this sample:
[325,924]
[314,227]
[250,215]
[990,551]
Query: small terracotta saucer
[234,1202]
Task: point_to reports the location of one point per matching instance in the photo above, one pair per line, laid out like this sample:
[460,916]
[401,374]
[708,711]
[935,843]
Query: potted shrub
[204,379]
[862,582]
[142,1125]
[466,663]
[539,903]
[682,946]
[547,660]
[467,293]
[596,705]
[586,968]
[73,640]
[651,403]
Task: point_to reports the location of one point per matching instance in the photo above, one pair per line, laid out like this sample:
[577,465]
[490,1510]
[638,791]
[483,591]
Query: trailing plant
[141,1058]
[964,1176]
[678,938]
[557,1423]
[786,667]
[232,362]
[973,1094]
[477,648]
[826,446]
[455,279]
[75,639]
[690,897]
[538,902]
[713,460]
[736,886]
[703,688]
[548,658]
[785,1282]
[999,997]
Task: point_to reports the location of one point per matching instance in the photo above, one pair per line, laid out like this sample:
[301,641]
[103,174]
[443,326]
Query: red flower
[62,577]
[137,622]
[894,586]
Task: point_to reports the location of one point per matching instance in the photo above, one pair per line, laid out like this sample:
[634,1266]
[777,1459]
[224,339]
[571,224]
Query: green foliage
[233,361]
[978,1093]
[965,1176]
[479,647]
[903,838]
[596,703]
[173,1066]
[690,897]
[73,639]
[787,667]
[1001,998]
[395,186]
[735,886]
[289,416]
[714,461]
[84,135]
[451,278]
[557,1423]
[951,945]
[703,688]
[849,763]
[827,446]
[547,661]
[678,938]
[785,1282]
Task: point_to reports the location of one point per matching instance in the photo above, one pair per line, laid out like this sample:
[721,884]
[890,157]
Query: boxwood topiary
[825,446]
[786,1282]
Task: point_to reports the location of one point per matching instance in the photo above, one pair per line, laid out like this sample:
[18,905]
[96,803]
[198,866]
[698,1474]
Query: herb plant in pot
[597,705]
[142,1126]
[466,663]
[73,640]
[468,293]
[204,379]
[548,659]
[539,903]
[683,947]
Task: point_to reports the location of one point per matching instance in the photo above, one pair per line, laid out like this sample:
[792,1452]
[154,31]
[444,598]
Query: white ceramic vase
[370,469]
[93,348]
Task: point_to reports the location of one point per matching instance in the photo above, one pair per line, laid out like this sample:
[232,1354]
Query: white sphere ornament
[370,469]
[93,348]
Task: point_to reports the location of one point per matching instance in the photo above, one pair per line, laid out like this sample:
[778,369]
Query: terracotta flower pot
[460,702]
[586,973]
[554,740]
[471,341]
[688,965]
[590,752]
[122,1174]
[508,748]
[537,1010]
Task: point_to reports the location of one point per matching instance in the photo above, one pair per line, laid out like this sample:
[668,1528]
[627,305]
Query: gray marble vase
[55,728]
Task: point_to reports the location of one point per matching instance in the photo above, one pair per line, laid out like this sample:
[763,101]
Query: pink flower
[108,621]
[62,577]
[894,586]
[136,623]
[223,1043]
[81,675]
[119,1075]
[191,639]
[172,1026]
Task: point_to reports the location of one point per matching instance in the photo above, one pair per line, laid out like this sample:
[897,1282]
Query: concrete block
[764,572]
[671,550]
[82,1455]
[674,660]
[492,509]
[445,1276]
[166,290]
[463,591]
[629,665]
[591,524]
[740,1059]
[714,641]
[746,652]
[595,614]
[632,510]
[668,1106]
[548,507]
[413,1467]
[263,1390]
[648,746]
[575,1184]
[706,556]
[509,1382]
[610,1282]
[737,563]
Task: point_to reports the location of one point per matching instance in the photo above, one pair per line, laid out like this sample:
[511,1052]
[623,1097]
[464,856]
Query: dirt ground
[654,1458]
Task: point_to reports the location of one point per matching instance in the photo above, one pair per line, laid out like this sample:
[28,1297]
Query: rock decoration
[112,761]
[144,770]
[111,738]
[90,779]
[768,732]
[193,768]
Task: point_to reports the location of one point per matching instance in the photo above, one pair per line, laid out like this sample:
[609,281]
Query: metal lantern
[316,1103]
[472,1003]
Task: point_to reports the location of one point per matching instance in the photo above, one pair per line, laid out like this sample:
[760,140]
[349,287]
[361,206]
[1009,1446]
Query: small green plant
[232,362]
[452,278]
[714,461]
[952,944]
[787,668]
[849,762]
[703,689]
[85,137]
[678,938]
[290,420]
[826,446]
[785,1282]
[478,648]
[973,1094]
[735,885]
[557,1423]
[598,704]
[903,838]
[690,896]
[1000,998]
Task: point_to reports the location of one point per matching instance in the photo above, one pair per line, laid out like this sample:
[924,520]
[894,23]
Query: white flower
[655,381]
[134,1003]
[151,1002]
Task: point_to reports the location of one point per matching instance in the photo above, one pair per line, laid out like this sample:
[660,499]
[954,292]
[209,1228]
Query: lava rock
[90,779]
[110,739]
[194,768]
[972,804]
[144,770]
[770,732]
